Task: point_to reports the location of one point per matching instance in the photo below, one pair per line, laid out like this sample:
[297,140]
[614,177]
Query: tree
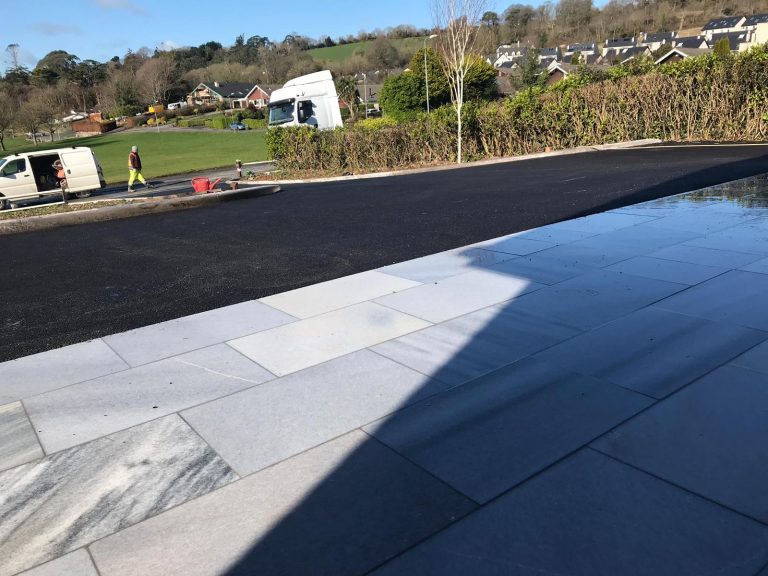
[382,55]
[7,116]
[30,116]
[458,21]
[401,95]
[531,74]
[47,104]
[86,75]
[347,90]
[58,63]
[490,19]
[517,17]
[155,78]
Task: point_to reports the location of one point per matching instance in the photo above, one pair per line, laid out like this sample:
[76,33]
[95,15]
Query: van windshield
[281,112]
[2,162]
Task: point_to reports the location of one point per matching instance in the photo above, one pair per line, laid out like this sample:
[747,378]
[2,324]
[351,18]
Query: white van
[30,175]
[309,100]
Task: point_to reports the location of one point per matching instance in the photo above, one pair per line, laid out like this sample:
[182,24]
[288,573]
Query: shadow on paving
[493,476]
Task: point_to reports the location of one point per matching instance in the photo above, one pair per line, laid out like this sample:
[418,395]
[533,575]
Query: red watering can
[203,184]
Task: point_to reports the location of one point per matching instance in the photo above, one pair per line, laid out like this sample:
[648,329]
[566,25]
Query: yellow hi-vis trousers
[133,175]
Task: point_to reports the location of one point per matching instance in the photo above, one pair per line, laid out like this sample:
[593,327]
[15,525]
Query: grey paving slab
[708,438]
[151,343]
[736,297]
[445,264]
[321,338]
[705,256]
[750,237]
[595,298]
[547,267]
[18,443]
[77,496]
[490,434]
[76,563]
[603,222]
[593,256]
[459,295]
[53,369]
[755,359]
[760,266]
[459,350]
[224,360]
[515,245]
[340,293]
[667,270]
[86,411]
[592,515]
[553,234]
[653,351]
[704,221]
[639,239]
[264,425]
[339,509]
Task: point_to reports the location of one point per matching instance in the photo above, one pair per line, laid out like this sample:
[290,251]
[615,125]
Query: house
[679,53]
[258,97]
[657,40]
[508,53]
[233,94]
[634,52]
[587,59]
[736,40]
[92,125]
[558,71]
[618,45]
[723,25]
[583,49]
[690,42]
[549,54]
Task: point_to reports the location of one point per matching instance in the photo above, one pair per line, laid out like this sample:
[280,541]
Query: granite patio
[589,397]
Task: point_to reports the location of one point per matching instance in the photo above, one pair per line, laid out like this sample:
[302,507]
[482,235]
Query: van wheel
[83,194]
[4,204]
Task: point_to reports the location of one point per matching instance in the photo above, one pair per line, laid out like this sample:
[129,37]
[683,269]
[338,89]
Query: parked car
[237,126]
[177,105]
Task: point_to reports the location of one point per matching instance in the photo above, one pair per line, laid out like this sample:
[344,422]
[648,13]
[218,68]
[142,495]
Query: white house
[724,25]
[657,40]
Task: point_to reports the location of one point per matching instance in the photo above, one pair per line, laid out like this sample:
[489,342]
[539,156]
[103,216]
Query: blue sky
[101,29]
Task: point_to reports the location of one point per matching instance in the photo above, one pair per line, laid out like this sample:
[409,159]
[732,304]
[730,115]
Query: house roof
[659,36]
[587,59]
[690,42]
[510,50]
[548,52]
[734,40]
[636,51]
[719,23]
[756,19]
[683,53]
[581,47]
[619,43]
[228,89]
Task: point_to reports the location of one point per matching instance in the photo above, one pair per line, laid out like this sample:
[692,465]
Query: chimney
[215,84]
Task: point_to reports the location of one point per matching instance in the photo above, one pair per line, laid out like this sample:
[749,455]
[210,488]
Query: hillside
[342,52]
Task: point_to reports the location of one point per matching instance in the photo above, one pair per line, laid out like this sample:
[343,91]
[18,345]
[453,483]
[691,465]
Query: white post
[365,94]
[426,74]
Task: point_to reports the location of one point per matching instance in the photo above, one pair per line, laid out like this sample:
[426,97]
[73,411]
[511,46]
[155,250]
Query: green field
[341,53]
[163,153]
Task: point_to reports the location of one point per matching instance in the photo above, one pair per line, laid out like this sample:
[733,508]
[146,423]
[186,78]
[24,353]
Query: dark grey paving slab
[755,359]
[459,350]
[639,239]
[595,298]
[736,297]
[266,424]
[602,222]
[706,256]
[760,266]
[667,270]
[339,509]
[76,563]
[445,264]
[653,351]
[490,434]
[708,438]
[545,267]
[72,498]
[553,234]
[749,237]
[514,245]
[595,255]
[18,443]
[592,515]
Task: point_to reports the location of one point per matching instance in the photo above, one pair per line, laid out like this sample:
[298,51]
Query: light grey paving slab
[592,515]
[459,350]
[224,360]
[151,343]
[18,443]
[667,270]
[77,496]
[751,237]
[86,411]
[761,266]
[264,425]
[76,563]
[458,295]
[709,438]
[595,298]
[653,351]
[705,256]
[490,434]
[736,297]
[340,293]
[445,264]
[514,245]
[603,222]
[53,369]
[339,510]
[548,267]
[755,359]
[321,338]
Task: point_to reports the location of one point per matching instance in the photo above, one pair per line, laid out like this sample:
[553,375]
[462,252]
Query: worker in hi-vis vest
[134,169]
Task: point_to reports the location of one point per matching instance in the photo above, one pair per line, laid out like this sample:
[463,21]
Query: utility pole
[426,73]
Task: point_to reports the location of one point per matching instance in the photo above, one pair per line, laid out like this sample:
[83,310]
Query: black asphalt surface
[71,284]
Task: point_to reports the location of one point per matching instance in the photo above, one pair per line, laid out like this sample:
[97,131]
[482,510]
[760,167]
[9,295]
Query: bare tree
[457,22]
[29,117]
[155,78]
[7,116]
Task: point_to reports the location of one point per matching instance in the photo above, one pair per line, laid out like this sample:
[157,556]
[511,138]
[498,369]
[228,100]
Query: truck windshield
[281,112]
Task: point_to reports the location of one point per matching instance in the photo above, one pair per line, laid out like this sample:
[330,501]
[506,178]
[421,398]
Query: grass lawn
[341,53]
[163,153]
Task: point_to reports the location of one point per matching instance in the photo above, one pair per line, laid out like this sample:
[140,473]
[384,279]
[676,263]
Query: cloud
[54,28]
[167,45]
[126,5]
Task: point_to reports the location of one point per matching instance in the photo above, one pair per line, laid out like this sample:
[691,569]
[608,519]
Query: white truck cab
[309,100]
[31,175]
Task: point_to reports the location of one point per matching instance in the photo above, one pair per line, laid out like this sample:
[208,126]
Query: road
[67,285]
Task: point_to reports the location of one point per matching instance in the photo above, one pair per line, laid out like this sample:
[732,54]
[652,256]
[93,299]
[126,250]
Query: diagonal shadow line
[378,503]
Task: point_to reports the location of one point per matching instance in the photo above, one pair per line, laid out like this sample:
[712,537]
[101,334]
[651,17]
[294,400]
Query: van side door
[16,179]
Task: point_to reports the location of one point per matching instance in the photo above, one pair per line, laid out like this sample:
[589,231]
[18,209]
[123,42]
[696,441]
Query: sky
[101,29]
